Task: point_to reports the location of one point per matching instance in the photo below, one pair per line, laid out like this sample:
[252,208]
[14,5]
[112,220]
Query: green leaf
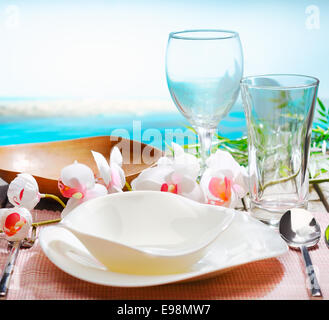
[284,94]
[322,114]
[190,128]
[321,104]
[326,234]
[323,121]
[284,171]
[190,146]
[317,130]
[282,105]
[169,147]
[316,175]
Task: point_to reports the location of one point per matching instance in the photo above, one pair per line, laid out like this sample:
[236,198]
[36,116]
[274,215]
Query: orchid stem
[55,198]
[311,181]
[271,183]
[42,223]
[128,186]
[318,180]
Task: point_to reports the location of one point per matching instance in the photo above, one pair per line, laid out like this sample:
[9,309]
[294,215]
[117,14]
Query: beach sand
[84,107]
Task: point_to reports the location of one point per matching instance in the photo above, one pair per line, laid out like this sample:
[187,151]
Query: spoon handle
[314,285]
[6,274]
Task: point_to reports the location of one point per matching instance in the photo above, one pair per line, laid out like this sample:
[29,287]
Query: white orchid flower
[176,175]
[224,180]
[112,172]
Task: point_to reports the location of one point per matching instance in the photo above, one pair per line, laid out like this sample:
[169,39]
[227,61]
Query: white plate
[147,232]
[246,240]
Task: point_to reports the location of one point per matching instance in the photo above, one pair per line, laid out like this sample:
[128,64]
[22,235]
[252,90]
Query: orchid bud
[75,180]
[23,191]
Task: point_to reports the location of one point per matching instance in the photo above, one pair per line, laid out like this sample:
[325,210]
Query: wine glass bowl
[203,70]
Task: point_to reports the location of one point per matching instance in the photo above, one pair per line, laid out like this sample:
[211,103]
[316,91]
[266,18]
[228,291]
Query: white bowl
[147,232]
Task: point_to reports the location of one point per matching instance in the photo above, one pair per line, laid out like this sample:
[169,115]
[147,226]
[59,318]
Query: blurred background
[64,61]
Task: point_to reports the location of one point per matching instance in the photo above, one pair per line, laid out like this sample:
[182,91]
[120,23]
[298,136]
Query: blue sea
[157,129]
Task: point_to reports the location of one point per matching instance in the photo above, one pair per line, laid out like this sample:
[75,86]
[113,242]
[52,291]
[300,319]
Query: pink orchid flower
[15,223]
[77,182]
[176,175]
[111,172]
[224,180]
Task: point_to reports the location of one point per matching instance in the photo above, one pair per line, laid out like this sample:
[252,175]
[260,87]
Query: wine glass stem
[205,136]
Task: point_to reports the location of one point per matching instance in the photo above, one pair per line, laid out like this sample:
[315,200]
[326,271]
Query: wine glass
[203,70]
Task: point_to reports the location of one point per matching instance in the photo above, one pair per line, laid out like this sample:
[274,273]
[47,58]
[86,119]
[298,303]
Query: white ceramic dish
[246,240]
[147,232]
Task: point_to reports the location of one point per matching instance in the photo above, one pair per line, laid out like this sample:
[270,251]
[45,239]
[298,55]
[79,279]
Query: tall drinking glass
[204,69]
[279,110]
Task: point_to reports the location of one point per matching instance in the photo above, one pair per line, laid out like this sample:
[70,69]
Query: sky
[116,48]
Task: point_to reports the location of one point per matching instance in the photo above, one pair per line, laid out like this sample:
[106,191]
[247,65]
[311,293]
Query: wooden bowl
[45,160]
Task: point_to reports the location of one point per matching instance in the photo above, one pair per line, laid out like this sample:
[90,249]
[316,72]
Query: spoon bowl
[300,230]
[147,232]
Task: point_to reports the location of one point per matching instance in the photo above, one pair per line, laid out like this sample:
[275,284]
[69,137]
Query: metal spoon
[13,247]
[300,230]
[7,271]
[26,243]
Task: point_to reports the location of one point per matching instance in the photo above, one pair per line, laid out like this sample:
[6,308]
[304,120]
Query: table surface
[35,277]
